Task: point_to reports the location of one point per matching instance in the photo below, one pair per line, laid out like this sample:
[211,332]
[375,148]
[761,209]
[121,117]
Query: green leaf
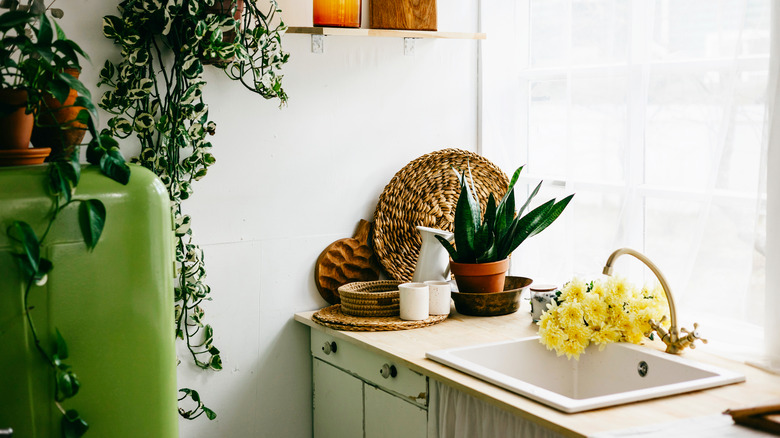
[60,346]
[209,413]
[112,27]
[528,201]
[215,362]
[64,176]
[113,165]
[92,218]
[465,226]
[67,384]
[107,72]
[59,90]
[23,234]
[11,19]
[44,267]
[72,425]
[45,32]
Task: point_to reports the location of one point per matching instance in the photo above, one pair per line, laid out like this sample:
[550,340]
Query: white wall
[289,182]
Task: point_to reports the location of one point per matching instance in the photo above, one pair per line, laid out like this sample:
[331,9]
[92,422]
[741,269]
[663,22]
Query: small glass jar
[541,296]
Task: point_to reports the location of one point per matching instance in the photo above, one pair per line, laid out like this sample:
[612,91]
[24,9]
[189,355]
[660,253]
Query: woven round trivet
[370,298]
[425,193]
[333,317]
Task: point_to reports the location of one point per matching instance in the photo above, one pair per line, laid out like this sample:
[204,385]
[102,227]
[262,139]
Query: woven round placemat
[425,193]
[333,317]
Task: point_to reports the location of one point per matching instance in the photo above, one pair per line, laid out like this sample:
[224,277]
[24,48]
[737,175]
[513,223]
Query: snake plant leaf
[466,222]
[505,214]
[528,201]
[483,239]
[512,182]
[450,249]
[72,425]
[92,218]
[490,213]
[522,227]
[552,215]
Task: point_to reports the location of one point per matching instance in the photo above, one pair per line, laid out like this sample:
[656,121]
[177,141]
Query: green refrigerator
[113,305]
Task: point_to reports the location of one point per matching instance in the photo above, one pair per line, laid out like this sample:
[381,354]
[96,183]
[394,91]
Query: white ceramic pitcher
[433,262]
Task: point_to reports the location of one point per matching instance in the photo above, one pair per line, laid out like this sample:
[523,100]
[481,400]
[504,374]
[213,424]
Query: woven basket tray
[334,318]
[370,298]
[425,193]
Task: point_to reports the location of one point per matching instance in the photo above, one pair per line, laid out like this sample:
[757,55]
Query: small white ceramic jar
[541,296]
[440,295]
[414,301]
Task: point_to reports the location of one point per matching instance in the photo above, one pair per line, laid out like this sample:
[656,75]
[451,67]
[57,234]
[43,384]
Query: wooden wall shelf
[388,33]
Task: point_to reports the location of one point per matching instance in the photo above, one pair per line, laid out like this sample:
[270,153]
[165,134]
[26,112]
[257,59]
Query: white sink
[621,373]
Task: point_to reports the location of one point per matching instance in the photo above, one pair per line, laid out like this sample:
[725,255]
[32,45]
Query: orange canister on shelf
[337,13]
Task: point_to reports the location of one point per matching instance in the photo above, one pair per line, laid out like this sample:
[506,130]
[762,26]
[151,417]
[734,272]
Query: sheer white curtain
[654,113]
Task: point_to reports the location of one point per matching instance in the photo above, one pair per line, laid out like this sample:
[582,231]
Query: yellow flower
[578,333]
[552,338]
[574,291]
[613,310]
[570,313]
[571,349]
[604,335]
[594,309]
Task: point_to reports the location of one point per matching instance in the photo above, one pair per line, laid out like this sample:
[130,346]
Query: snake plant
[500,231]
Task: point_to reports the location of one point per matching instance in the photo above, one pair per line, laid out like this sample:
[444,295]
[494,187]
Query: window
[653,113]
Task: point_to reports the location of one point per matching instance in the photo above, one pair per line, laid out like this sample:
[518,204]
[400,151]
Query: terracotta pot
[222,7]
[480,277]
[58,129]
[15,128]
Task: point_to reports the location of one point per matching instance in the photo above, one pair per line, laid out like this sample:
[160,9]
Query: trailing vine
[157,94]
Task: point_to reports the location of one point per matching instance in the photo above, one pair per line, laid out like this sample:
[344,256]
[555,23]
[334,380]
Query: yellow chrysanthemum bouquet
[599,312]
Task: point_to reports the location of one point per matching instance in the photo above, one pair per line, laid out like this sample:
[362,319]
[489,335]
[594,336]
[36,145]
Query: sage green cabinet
[338,402]
[359,394]
[388,417]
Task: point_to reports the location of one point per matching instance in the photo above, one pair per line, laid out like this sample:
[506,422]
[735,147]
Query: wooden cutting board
[345,261]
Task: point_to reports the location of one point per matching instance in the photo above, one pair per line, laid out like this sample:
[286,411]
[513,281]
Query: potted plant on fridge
[480,255]
[34,56]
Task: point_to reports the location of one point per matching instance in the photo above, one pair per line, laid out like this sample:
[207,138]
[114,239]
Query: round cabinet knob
[388,371]
[329,347]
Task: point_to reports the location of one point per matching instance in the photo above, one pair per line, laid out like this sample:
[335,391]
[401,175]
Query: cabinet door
[338,402]
[388,416]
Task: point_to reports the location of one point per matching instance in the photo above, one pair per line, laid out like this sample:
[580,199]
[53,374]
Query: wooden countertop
[409,347]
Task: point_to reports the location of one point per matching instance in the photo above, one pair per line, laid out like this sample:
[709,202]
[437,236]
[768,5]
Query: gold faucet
[674,343]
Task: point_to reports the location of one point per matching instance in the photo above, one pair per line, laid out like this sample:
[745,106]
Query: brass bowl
[494,303]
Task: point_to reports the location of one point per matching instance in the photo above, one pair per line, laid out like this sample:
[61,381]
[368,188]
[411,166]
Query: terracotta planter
[222,7]
[15,128]
[480,277]
[59,130]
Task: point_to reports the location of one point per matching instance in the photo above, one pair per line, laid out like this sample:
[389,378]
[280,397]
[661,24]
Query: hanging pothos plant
[156,94]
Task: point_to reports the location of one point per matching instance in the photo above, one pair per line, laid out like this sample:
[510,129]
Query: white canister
[440,294]
[414,301]
[541,296]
